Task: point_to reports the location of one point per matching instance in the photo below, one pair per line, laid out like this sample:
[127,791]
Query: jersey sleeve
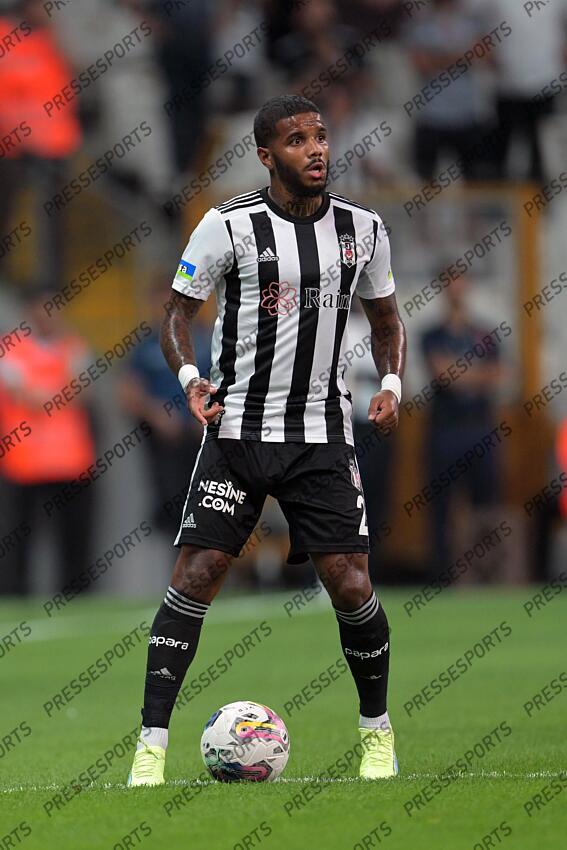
[376,279]
[208,256]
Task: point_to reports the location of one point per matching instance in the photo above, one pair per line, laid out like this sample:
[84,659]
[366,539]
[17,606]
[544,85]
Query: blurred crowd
[471,89]
[145,94]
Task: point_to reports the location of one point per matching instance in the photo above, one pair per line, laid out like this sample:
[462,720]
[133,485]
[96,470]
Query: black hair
[282,106]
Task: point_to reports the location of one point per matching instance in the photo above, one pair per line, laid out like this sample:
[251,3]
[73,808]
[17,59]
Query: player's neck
[297,205]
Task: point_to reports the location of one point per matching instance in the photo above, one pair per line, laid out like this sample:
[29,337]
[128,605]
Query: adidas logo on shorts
[267,256]
[189,522]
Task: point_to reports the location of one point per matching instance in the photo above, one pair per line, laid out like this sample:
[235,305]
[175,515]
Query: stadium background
[156,127]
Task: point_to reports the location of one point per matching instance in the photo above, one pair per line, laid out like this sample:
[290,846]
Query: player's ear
[265,158]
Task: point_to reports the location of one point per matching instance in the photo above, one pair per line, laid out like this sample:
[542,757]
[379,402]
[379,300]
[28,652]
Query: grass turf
[452,813]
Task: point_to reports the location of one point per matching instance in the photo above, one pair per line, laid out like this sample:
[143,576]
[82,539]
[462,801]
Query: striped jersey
[284,286]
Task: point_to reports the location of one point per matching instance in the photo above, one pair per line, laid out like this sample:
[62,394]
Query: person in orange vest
[548,508]
[35,144]
[41,454]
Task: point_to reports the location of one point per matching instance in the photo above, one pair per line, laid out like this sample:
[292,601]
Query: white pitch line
[324,780]
[236,610]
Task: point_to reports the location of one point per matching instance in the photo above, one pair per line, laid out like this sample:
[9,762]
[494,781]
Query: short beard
[293,184]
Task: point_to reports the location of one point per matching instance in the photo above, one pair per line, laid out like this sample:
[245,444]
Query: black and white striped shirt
[284,286]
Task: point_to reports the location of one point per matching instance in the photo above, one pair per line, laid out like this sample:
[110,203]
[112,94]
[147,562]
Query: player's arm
[208,256]
[176,340]
[388,346]
[376,290]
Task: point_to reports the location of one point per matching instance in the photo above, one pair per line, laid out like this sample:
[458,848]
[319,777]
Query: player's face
[300,154]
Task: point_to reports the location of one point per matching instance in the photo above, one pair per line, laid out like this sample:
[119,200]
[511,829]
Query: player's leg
[365,641]
[322,498]
[197,578]
[223,505]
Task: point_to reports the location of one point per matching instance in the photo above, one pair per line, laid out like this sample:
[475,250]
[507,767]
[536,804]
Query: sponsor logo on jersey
[186,270]
[267,256]
[363,655]
[347,247]
[220,496]
[315,298]
[159,640]
[189,522]
[279,299]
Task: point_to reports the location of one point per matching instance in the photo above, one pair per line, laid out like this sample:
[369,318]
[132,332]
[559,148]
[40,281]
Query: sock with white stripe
[365,641]
[172,647]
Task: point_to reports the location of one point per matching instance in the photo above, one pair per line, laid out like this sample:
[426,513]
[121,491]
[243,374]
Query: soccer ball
[245,741]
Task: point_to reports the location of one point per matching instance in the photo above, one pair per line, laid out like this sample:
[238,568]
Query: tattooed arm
[388,345]
[176,340]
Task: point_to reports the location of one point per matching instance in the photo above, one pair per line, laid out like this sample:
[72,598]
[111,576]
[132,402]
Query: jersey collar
[296,219]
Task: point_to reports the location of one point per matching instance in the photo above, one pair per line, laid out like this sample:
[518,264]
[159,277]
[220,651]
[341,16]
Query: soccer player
[285,262]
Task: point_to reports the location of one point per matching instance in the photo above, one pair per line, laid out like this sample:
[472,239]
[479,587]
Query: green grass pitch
[481,807]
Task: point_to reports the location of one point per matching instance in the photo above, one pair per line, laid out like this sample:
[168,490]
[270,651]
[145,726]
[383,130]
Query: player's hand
[383,411]
[197,391]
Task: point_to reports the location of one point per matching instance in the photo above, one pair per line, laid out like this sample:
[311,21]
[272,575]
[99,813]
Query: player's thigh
[323,502]
[225,498]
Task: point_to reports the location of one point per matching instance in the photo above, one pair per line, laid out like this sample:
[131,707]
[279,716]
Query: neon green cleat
[148,766]
[379,757]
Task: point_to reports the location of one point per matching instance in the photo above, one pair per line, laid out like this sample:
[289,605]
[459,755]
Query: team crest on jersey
[355,475]
[347,247]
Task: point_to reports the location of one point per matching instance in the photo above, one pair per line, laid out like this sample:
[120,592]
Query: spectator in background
[451,119]
[387,16]
[41,453]
[31,73]
[357,165]
[462,412]
[149,391]
[238,20]
[316,41]
[184,50]
[527,63]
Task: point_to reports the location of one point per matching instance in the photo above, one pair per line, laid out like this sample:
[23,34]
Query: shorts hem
[208,543]
[339,548]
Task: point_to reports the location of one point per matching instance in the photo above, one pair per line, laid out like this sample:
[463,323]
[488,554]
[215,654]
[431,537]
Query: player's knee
[349,587]
[198,570]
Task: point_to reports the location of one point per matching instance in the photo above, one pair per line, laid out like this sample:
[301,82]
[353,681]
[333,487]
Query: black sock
[365,641]
[173,644]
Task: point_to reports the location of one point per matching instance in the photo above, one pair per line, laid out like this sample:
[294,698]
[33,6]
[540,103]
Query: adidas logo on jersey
[267,256]
[189,522]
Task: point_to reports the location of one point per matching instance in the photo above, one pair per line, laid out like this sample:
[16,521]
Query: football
[245,741]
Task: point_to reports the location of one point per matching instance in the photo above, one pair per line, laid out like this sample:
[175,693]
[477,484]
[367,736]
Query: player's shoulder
[240,202]
[341,201]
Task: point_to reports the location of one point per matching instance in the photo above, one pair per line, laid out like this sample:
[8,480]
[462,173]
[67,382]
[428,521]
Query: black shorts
[317,486]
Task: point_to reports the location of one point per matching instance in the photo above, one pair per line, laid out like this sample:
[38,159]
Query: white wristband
[392,382]
[186,374]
